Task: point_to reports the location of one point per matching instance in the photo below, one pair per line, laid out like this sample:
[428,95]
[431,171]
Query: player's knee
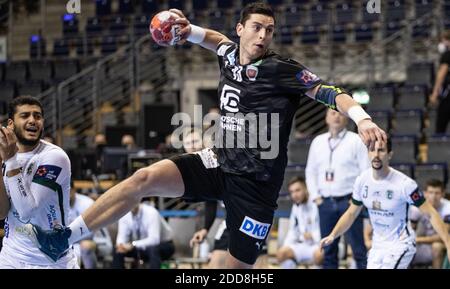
[437,249]
[142,180]
[87,245]
[282,254]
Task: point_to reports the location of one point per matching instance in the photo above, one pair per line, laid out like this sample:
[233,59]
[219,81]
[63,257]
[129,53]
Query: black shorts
[249,203]
[222,243]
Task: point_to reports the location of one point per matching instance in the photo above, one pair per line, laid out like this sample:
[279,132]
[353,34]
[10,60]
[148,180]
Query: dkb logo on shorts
[254,228]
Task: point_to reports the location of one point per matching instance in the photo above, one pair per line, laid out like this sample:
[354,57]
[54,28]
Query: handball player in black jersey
[255,84]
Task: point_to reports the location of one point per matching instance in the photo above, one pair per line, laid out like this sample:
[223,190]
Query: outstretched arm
[336,98]
[437,224]
[206,38]
[342,225]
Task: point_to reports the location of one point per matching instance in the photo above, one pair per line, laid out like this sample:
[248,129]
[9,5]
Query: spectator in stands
[430,249]
[441,91]
[143,234]
[302,240]
[128,141]
[99,143]
[335,159]
[86,249]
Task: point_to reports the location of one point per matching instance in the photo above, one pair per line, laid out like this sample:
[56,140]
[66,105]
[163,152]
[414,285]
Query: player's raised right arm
[206,38]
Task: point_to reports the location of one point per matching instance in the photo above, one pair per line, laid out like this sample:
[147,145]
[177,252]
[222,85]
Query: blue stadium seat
[108,44]
[200,5]
[408,122]
[103,7]
[310,35]
[70,24]
[141,25]
[217,20]
[93,26]
[391,28]
[126,7]
[284,35]
[344,13]
[424,172]
[320,15]
[404,148]
[395,10]
[37,47]
[295,15]
[412,97]
[421,30]
[150,7]
[420,73]
[363,33]
[118,25]
[84,46]
[381,98]
[439,149]
[423,7]
[178,4]
[407,169]
[224,4]
[339,34]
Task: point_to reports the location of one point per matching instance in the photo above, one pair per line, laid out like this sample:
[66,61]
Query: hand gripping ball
[163,28]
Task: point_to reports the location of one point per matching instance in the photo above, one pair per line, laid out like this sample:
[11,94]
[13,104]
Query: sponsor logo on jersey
[417,195]
[389,194]
[251,72]
[366,192]
[254,228]
[30,169]
[229,99]
[47,172]
[376,205]
[306,77]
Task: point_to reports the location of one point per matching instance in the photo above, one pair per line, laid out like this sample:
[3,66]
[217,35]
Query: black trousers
[152,254]
[443,115]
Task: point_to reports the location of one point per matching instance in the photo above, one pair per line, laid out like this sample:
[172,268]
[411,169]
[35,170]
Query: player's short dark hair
[256,8]
[435,183]
[389,144]
[296,179]
[22,100]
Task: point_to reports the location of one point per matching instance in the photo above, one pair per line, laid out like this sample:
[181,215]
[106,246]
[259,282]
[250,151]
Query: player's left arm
[336,98]
[50,177]
[437,223]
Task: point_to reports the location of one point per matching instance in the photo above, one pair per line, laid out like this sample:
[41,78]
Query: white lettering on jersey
[229,98]
[237,73]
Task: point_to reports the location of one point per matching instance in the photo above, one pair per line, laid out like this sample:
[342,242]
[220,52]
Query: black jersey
[258,101]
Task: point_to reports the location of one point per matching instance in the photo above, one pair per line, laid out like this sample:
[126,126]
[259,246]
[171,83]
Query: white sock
[288,264]
[79,230]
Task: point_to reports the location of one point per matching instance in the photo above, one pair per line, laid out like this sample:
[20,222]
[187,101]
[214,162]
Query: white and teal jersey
[38,195]
[388,202]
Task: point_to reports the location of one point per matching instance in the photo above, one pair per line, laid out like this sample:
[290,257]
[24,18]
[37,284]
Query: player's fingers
[182,21]
[10,136]
[372,140]
[4,134]
[178,12]
[364,137]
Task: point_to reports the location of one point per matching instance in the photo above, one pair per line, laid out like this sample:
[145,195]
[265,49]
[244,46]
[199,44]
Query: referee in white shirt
[335,159]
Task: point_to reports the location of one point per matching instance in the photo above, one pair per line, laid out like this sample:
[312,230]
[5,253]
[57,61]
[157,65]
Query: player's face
[298,192]
[434,195]
[336,120]
[256,35]
[28,124]
[379,157]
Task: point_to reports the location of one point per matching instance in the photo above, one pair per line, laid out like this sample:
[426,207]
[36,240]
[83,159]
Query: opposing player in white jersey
[35,187]
[302,240]
[387,194]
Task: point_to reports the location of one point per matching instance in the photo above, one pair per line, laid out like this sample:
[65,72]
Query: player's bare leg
[160,179]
